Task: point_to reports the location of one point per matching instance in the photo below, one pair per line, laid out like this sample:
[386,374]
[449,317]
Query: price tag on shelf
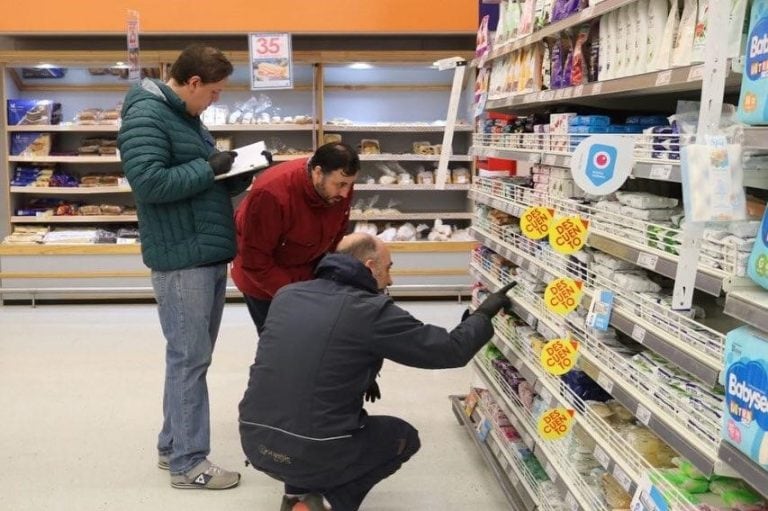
[661,172]
[559,356]
[605,382]
[568,235]
[597,88]
[643,414]
[531,98]
[551,472]
[570,502]
[647,261]
[696,73]
[535,222]
[271,61]
[602,457]
[555,423]
[527,439]
[622,478]
[550,159]
[638,333]
[562,296]
[663,78]
[578,91]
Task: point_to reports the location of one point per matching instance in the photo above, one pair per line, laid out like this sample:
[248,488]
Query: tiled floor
[80,389]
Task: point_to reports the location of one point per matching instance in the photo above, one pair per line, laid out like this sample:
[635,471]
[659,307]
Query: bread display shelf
[413,216]
[412,157]
[398,188]
[75,128]
[65,159]
[262,127]
[392,128]
[95,219]
[289,157]
[70,190]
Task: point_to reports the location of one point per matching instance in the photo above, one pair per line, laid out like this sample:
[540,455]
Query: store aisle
[80,402]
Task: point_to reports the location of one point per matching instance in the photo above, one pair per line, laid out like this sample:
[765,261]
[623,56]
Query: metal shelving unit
[413,188]
[413,216]
[511,483]
[746,468]
[411,157]
[749,305]
[84,219]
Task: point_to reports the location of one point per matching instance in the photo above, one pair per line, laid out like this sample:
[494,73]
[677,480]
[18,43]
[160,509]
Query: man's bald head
[370,251]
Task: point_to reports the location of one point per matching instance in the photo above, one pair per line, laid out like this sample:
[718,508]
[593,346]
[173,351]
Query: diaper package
[757,266]
[753,106]
[745,421]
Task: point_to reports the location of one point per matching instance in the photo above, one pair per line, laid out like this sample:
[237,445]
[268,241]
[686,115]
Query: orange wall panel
[238,16]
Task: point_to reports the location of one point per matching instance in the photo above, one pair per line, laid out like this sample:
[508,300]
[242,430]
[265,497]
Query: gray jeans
[190,305]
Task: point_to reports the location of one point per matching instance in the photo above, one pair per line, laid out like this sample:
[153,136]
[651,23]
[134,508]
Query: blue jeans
[190,305]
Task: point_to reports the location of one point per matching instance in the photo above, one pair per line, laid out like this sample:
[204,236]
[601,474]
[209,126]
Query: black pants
[383,445]
[258,310]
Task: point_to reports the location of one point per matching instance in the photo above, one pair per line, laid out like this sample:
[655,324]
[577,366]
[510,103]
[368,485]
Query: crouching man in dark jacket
[302,419]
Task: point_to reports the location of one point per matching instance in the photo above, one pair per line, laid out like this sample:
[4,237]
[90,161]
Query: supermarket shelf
[67,190]
[510,483]
[393,128]
[95,219]
[507,154]
[412,157]
[609,460]
[261,127]
[65,159]
[656,82]
[749,305]
[424,188]
[557,27]
[620,319]
[76,128]
[495,202]
[623,391]
[529,437]
[289,157]
[658,171]
[706,282]
[750,471]
[755,137]
[414,216]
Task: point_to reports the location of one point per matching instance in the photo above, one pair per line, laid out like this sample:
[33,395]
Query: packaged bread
[89,210]
[369,146]
[423,148]
[331,138]
[460,176]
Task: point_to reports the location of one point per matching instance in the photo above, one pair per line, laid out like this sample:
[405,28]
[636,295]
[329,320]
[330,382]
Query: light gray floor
[80,391]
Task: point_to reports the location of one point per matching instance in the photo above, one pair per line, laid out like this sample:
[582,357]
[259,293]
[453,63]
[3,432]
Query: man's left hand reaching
[373,393]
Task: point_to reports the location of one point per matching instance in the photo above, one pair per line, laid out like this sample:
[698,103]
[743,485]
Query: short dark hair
[335,156]
[362,247]
[207,62]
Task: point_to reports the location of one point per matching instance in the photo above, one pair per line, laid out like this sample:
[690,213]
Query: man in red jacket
[295,213]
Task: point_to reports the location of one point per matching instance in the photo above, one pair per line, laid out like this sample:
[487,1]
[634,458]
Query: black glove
[373,393]
[495,302]
[221,162]
[268,156]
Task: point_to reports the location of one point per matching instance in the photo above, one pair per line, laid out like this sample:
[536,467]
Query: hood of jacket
[346,269]
[150,88]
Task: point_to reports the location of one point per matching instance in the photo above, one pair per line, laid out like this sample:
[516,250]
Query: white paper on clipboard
[249,158]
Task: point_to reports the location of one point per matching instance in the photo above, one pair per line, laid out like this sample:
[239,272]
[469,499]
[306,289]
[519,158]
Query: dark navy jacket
[323,343]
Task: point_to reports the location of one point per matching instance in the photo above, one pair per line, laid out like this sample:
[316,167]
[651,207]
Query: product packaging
[757,267]
[745,422]
[579,70]
[33,112]
[700,32]
[599,316]
[682,48]
[610,21]
[593,67]
[753,102]
[619,61]
[658,11]
[663,57]
[641,40]
[30,144]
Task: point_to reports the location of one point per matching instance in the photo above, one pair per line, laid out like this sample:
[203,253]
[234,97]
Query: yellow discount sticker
[563,295]
[568,235]
[535,222]
[559,356]
[555,423]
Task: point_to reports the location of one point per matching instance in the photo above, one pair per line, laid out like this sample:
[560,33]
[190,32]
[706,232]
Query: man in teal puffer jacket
[187,239]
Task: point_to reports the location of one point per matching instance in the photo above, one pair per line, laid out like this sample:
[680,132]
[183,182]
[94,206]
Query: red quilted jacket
[283,229]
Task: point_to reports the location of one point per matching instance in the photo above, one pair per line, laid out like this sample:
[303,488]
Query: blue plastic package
[753,100]
[757,267]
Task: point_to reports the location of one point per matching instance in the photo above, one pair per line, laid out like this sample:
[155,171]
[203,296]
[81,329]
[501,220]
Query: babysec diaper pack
[757,267]
[753,102]
[745,421]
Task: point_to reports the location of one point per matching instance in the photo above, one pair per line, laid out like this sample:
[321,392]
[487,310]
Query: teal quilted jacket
[185,217]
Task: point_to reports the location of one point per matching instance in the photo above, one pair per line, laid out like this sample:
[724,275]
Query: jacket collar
[345,269]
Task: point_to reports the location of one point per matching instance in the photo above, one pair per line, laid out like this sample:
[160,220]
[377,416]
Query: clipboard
[249,158]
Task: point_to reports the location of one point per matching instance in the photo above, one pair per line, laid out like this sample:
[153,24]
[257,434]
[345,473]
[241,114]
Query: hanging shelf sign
[271,61]
[535,222]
